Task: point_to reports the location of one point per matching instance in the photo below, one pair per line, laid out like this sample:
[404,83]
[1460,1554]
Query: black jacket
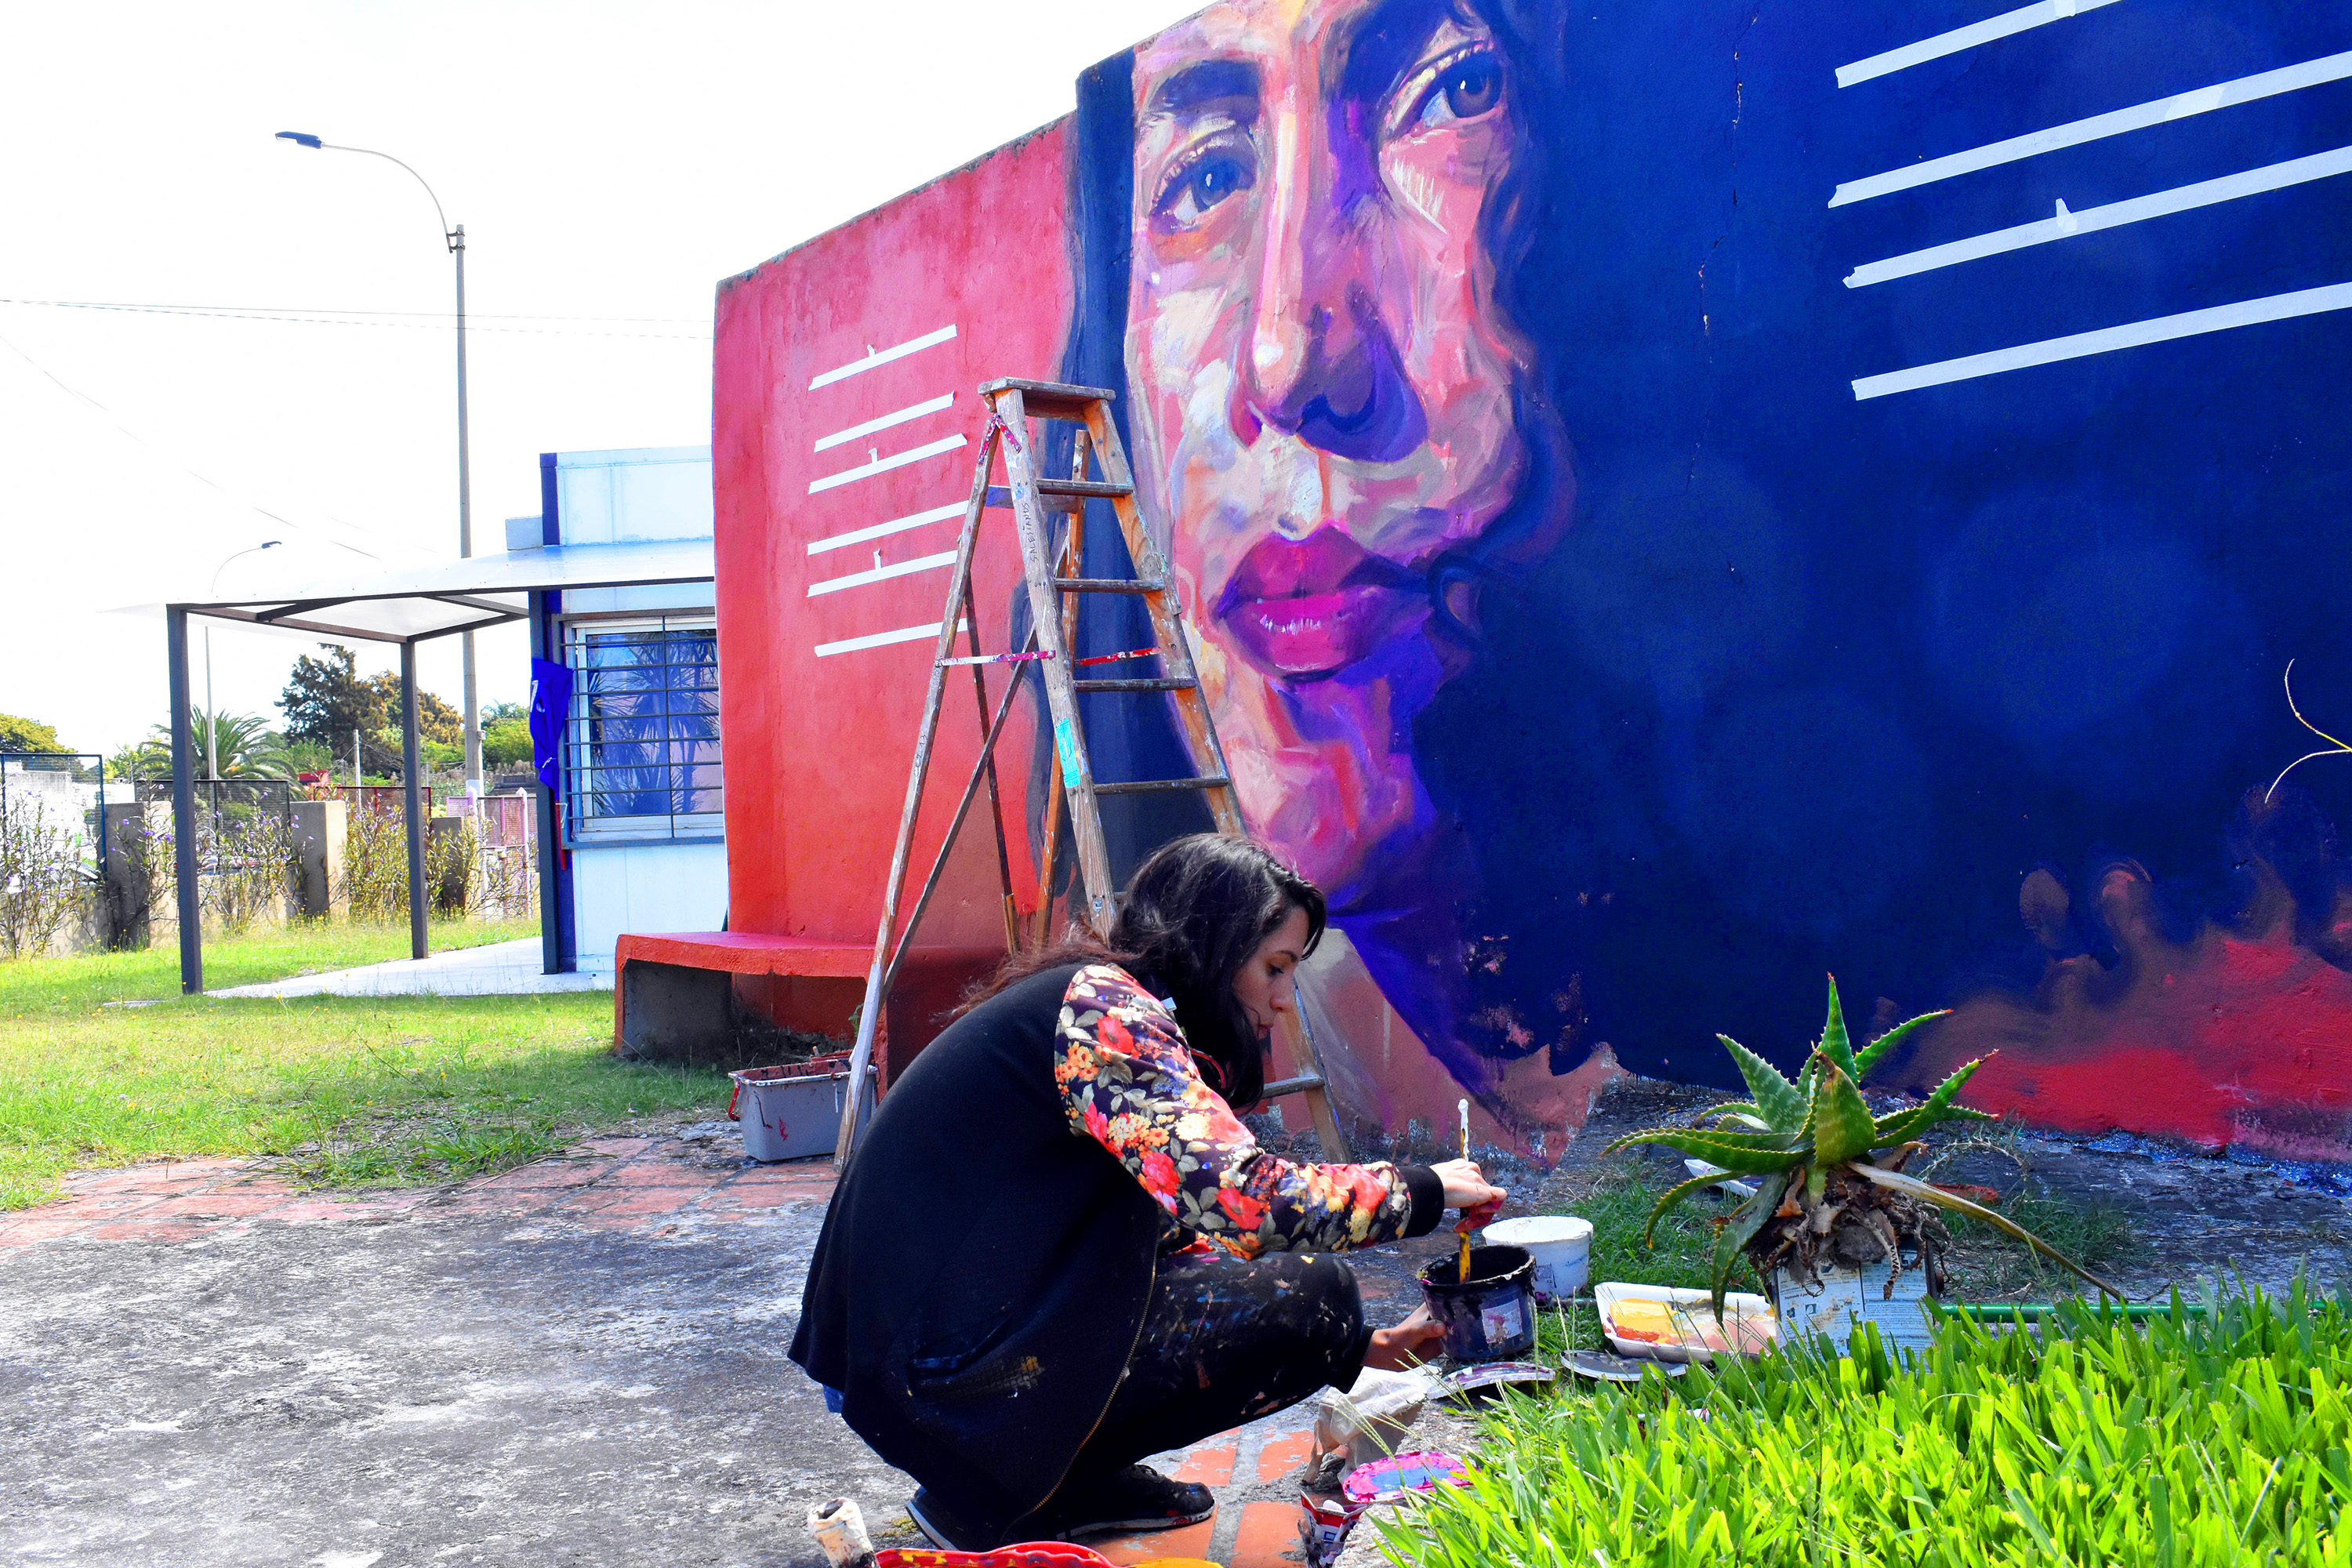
[983,1273]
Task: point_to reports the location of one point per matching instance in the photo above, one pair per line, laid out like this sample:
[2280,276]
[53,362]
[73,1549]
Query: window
[642,757]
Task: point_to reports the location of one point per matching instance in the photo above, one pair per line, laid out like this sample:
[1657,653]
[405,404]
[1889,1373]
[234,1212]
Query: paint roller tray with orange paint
[1662,1323]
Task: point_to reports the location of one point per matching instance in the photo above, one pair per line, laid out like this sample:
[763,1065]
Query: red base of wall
[801,982]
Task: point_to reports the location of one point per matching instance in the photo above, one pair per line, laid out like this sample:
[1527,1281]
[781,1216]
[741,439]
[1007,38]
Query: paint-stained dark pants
[1223,1342]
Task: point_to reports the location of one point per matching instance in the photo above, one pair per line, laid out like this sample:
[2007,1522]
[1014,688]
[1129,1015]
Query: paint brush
[1462,1225]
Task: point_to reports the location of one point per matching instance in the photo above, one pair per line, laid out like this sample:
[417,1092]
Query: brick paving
[635,1183]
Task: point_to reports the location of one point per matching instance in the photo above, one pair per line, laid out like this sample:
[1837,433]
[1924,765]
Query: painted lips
[1305,609]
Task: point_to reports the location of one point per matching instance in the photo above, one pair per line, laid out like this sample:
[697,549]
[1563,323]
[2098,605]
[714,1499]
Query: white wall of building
[619,497]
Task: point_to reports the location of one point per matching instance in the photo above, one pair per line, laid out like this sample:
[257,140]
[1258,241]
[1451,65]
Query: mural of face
[1325,406]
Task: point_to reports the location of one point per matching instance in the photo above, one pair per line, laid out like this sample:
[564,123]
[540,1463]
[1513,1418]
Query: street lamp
[456,238]
[212,714]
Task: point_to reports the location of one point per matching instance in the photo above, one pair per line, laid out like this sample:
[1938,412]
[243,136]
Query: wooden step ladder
[1054,590]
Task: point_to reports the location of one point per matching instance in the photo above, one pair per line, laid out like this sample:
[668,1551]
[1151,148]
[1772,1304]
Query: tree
[27,735]
[248,749]
[435,719]
[506,740]
[325,700]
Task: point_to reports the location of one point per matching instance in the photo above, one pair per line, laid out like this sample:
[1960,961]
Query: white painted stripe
[883,574]
[880,357]
[1967,38]
[881,465]
[2074,133]
[2090,220]
[882,530]
[2159,330]
[882,639]
[914,412]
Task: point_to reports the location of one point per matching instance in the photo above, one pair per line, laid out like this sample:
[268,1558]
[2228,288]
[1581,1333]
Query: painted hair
[1191,917]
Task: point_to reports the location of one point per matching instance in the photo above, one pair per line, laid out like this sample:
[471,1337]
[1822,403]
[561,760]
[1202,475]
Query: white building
[639,807]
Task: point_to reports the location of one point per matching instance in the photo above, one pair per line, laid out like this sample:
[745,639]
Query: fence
[52,848]
[479,857]
[228,804]
[248,853]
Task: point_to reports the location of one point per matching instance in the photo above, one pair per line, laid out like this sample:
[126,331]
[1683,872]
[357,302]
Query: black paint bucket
[1492,1316]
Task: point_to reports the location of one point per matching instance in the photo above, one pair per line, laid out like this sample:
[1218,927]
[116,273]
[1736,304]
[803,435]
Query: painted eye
[1205,184]
[1465,89]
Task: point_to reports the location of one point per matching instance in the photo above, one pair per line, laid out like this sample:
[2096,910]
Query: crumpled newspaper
[1366,1423]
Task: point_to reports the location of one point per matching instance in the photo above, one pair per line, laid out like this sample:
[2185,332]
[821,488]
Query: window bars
[641,744]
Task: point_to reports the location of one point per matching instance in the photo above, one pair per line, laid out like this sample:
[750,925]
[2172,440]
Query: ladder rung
[1050,399]
[1158,786]
[1162,683]
[1293,1085]
[1109,584]
[1002,499]
[1102,488]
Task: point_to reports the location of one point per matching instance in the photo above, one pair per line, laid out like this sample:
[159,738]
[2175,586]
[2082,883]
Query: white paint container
[1561,1246]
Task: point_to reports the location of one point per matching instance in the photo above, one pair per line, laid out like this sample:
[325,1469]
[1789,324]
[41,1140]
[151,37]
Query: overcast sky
[611,163]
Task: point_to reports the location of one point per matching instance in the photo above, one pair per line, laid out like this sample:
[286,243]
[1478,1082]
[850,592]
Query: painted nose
[1323,366]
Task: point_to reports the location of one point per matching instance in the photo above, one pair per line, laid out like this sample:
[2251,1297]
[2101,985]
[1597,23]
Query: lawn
[356,1089]
[2214,1436]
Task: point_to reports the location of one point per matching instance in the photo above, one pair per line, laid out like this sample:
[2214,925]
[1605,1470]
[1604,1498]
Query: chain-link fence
[52,849]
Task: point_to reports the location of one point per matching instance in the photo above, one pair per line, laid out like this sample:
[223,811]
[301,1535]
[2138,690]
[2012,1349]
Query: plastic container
[1492,1317]
[1561,1246]
[1324,1529]
[791,1112]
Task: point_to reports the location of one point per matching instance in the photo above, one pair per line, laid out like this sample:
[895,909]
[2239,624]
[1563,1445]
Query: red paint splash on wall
[2240,1034]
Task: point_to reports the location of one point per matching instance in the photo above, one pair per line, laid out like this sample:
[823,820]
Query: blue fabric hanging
[550,703]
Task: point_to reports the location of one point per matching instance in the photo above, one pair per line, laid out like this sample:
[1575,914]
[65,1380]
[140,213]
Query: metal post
[414,771]
[183,807]
[212,730]
[466,522]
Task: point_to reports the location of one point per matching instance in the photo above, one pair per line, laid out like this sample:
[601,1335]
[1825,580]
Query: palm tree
[248,749]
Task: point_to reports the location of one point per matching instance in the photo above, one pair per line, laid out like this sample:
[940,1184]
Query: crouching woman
[1057,1248]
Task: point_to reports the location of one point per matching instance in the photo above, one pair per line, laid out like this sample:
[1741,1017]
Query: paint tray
[1660,1323]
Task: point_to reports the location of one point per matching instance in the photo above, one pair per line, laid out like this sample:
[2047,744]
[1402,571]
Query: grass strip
[361,1090]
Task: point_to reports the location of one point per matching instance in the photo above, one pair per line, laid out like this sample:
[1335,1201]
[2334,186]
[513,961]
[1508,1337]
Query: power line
[430,321]
[141,440]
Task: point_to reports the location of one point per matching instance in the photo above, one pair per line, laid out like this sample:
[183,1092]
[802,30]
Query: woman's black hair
[1191,917]
[1194,913]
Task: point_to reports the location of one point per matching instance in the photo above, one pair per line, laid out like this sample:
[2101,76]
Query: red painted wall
[880,320]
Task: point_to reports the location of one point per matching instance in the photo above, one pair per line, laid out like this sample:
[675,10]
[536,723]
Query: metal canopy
[416,603]
[406,606]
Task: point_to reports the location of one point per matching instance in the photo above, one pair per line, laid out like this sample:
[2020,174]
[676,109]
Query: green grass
[33,986]
[357,1090]
[1987,1266]
[2213,1439]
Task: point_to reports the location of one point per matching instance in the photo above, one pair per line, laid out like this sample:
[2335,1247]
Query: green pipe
[2033,1312]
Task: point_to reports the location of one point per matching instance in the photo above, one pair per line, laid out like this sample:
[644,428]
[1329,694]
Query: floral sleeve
[1128,1082]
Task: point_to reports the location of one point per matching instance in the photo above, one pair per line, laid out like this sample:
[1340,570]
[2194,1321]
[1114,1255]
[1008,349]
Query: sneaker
[1135,1499]
[948,1530]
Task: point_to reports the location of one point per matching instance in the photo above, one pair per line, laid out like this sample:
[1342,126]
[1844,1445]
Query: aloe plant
[1831,1182]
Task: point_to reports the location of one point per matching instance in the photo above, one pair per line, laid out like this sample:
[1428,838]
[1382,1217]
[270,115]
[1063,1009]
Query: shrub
[376,864]
[42,884]
[247,862]
[2185,1441]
